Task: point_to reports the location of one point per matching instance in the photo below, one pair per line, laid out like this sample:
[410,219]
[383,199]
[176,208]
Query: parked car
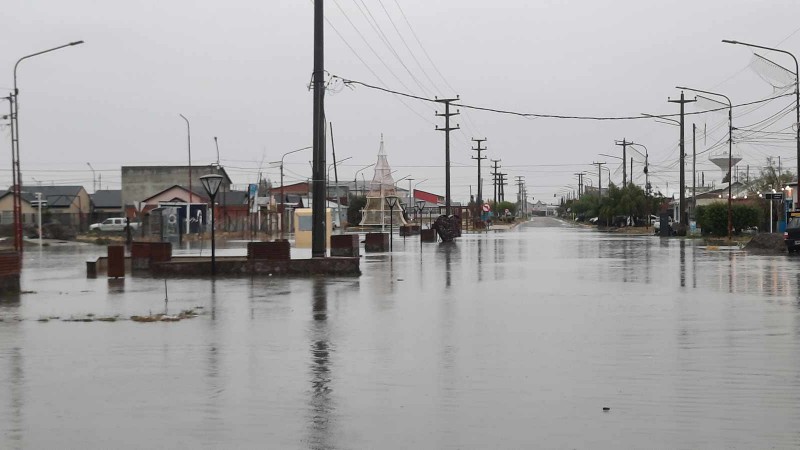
[113,224]
[791,237]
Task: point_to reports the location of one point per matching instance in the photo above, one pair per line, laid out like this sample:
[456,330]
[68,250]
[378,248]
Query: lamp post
[283,208]
[334,164]
[796,93]
[39,216]
[730,153]
[392,202]
[189,144]
[15,166]
[646,176]
[211,184]
[420,204]
[94,177]
[355,176]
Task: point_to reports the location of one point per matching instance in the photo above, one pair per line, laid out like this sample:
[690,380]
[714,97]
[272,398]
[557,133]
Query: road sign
[774,195]
[486,207]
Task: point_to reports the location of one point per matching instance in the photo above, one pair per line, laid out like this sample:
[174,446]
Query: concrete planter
[428,235]
[270,251]
[345,245]
[376,242]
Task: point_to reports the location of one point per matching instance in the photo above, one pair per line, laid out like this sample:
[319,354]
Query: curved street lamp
[283,207]
[16,173]
[211,184]
[355,176]
[796,92]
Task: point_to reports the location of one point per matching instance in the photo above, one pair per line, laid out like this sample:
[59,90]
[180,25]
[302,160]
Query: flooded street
[501,340]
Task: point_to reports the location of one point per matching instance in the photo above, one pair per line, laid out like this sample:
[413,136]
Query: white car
[113,224]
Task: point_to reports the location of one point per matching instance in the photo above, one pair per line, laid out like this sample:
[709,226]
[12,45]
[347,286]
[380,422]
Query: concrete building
[142,182]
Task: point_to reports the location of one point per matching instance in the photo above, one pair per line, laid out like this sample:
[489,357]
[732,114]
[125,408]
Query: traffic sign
[486,207]
[774,195]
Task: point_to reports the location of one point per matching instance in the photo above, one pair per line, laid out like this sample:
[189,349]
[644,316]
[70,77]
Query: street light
[189,143]
[355,177]
[796,94]
[730,153]
[327,187]
[392,202]
[283,207]
[94,177]
[16,174]
[211,184]
[646,175]
[420,204]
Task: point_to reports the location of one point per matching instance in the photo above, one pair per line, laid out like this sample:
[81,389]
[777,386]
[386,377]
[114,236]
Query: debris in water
[606,408]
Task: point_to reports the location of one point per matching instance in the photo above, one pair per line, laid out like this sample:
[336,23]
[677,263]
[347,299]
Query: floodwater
[503,340]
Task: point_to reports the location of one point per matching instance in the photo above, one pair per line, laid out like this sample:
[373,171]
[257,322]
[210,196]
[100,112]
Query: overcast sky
[239,70]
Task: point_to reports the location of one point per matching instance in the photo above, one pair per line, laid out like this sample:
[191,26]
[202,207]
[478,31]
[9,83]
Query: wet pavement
[501,340]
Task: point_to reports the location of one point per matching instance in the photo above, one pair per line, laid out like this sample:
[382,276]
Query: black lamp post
[211,184]
[392,202]
[420,206]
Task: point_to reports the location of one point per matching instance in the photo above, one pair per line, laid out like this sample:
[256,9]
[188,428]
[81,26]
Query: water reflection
[16,404]
[321,402]
[683,262]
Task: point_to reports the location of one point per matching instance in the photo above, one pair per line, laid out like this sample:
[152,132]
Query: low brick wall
[376,242]
[9,272]
[345,245]
[242,266]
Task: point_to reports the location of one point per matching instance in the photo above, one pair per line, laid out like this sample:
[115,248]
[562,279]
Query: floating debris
[606,408]
[185,314]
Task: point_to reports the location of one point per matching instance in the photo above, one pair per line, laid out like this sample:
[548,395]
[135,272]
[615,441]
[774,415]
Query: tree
[357,203]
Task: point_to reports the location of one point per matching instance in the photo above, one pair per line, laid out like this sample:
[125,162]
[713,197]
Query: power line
[554,116]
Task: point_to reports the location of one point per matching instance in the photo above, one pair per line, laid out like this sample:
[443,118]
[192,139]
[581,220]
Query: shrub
[713,218]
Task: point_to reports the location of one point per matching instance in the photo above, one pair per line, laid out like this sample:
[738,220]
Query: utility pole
[318,219]
[447,129]
[520,184]
[684,219]
[495,177]
[599,178]
[479,201]
[580,183]
[694,171]
[624,145]
[501,186]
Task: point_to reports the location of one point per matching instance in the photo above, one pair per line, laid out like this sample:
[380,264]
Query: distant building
[105,204]
[67,205]
[141,182]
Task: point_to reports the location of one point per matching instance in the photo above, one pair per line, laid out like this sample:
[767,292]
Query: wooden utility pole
[684,218]
[495,177]
[624,145]
[599,178]
[479,200]
[318,222]
[447,129]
